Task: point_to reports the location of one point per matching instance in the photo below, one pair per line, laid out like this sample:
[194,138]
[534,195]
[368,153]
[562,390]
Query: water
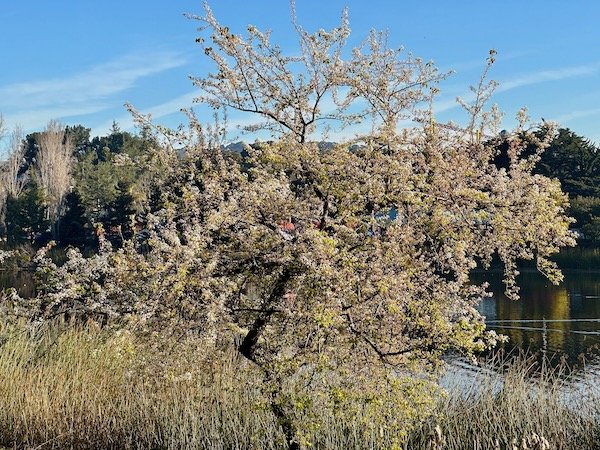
[556,323]
[21,280]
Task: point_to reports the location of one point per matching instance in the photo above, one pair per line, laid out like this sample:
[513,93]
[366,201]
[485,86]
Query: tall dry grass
[515,403]
[83,389]
[80,388]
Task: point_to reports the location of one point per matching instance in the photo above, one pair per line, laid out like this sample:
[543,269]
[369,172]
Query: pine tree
[26,216]
[75,228]
[119,215]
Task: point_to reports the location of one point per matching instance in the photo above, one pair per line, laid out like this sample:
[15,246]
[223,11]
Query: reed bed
[516,402]
[81,388]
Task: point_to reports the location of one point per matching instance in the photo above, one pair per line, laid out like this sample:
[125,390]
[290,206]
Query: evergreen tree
[96,183]
[119,215]
[115,139]
[26,216]
[79,137]
[75,229]
[575,161]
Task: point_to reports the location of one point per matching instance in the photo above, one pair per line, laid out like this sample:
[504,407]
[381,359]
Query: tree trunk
[248,346]
[286,424]
[248,349]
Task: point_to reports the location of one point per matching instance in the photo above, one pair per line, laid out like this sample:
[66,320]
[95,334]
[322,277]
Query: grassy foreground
[530,406]
[84,389]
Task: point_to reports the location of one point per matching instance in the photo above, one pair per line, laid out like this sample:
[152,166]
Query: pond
[562,321]
[551,323]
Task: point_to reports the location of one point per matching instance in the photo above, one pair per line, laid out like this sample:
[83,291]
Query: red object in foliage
[287,226]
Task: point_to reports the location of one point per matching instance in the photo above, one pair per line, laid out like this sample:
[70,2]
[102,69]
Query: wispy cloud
[98,82]
[33,103]
[35,119]
[578,114]
[525,80]
[548,75]
[479,64]
[167,108]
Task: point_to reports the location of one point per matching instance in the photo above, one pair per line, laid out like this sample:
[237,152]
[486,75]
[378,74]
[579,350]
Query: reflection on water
[21,280]
[561,321]
[548,322]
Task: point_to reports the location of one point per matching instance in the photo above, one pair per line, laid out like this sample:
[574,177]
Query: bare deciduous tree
[12,180]
[53,167]
[13,183]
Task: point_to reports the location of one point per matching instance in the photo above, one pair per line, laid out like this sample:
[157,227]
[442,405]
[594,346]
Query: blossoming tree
[345,271]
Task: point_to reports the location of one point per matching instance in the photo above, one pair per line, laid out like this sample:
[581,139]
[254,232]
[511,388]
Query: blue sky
[80,61]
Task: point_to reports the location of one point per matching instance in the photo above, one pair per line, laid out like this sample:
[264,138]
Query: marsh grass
[80,388]
[515,402]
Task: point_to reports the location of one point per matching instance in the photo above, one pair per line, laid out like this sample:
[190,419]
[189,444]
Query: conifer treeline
[106,193]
